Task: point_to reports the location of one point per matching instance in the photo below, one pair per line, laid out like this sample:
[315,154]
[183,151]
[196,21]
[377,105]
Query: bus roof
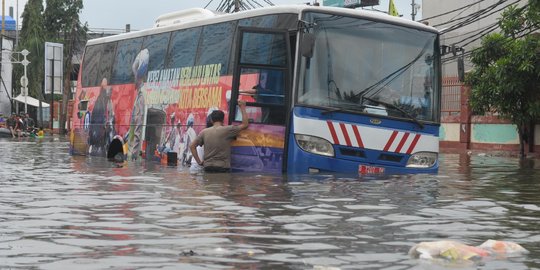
[207,18]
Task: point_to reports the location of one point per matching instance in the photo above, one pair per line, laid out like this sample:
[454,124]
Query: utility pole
[413,13]
[415,8]
[52,96]
[15,59]
[17,27]
[24,79]
[236,5]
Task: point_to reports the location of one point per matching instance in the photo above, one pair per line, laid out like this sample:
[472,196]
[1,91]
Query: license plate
[364,169]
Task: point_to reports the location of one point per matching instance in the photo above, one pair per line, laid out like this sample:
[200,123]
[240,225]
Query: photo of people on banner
[162,111]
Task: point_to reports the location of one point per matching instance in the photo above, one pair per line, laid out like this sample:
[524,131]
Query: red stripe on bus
[390,141]
[358,138]
[333,132]
[413,144]
[345,134]
[402,142]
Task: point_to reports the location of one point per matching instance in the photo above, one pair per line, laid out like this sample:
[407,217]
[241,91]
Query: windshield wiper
[396,108]
[331,110]
[392,76]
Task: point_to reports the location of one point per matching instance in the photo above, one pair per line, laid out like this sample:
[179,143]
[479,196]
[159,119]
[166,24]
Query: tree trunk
[531,136]
[522,139]
[64,109]
[67,80]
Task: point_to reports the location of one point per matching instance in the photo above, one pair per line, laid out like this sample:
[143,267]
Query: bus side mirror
[308,42]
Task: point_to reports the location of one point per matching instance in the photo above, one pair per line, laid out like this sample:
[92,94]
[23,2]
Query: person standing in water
[217,141]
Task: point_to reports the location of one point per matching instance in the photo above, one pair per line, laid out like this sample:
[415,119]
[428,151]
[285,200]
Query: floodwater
[63,212]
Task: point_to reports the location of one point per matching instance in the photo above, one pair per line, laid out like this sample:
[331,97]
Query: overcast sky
[140,14]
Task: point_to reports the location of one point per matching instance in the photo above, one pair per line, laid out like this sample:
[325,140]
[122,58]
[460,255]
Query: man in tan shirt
[217,141]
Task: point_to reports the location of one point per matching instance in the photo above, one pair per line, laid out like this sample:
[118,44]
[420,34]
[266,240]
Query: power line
[446,13]
[208,3]
[470,32]
[507,40]
[487,30]
[473,15]
[478,35]
[477,18]
[230,6]
[460,13]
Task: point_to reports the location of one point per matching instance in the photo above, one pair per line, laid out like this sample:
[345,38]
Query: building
[6,70]
[463,24]
[464,27]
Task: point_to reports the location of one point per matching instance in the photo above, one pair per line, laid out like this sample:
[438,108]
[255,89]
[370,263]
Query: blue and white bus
[328,89]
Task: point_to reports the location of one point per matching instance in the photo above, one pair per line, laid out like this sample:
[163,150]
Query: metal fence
[451,96]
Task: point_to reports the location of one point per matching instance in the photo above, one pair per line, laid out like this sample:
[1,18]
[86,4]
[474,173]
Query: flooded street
[63,212]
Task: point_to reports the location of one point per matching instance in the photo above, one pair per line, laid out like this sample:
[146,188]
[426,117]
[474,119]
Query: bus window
[263,49]
[263,88]
[126,52]
[287,21]
[91,60]
[261,21]
[281,21]
[183,48]
[216,43]
[157,48]
[106,62]
[97,63]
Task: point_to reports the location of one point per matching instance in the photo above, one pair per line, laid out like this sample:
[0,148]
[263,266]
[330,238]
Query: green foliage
[31,39]
[59,22]
[506,78]
[60,16]
[62,24]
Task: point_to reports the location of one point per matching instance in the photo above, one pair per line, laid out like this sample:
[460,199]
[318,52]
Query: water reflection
[63,212]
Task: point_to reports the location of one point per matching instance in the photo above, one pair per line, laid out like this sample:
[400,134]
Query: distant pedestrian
[217,141]
[12,124]
[40,133]
[30,124]
[19,125]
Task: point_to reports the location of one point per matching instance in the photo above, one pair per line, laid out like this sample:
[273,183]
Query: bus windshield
[369,67]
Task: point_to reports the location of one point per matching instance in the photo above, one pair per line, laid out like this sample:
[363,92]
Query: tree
[59,22]
[62,24]
[32,39]
[506,78]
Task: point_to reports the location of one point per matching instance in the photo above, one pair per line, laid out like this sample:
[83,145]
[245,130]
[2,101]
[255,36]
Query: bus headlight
[422,160]
[314,145]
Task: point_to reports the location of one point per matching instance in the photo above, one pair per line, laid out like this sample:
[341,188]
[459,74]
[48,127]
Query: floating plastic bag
[453,251]
[503,248]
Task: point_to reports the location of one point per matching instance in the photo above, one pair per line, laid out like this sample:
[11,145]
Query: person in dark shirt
[216,141]
[30,124]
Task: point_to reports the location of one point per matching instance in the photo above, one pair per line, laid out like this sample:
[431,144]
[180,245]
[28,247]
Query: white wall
[449,132]
[432,8]
[6,74]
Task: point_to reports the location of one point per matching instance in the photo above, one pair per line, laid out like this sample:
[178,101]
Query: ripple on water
[64,212]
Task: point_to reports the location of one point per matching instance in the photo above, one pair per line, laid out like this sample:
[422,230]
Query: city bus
[327,90]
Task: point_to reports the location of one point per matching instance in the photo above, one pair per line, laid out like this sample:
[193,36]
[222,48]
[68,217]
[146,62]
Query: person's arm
[249,92]
[245,120]
[193,148]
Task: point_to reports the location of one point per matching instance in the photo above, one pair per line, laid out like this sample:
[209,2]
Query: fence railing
[451,96]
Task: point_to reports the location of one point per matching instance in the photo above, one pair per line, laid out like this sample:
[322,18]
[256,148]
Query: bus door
[261,77]
[155,120]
